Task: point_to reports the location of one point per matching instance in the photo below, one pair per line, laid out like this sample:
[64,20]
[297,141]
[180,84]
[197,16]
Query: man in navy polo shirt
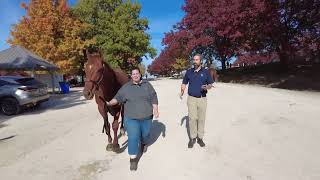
[200,81]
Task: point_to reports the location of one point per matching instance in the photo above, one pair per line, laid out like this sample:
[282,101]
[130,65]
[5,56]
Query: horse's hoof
[116,148]
[109,147]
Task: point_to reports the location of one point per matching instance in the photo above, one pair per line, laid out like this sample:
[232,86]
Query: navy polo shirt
[196,80]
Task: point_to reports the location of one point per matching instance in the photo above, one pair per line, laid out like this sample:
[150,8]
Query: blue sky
[162,15]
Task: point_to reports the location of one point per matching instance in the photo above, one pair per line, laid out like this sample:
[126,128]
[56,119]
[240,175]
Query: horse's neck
[109,83]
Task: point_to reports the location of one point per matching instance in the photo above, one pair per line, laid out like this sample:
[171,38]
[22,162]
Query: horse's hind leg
[115,127]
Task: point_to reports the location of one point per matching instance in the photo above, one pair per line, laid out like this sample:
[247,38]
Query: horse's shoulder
[121,76]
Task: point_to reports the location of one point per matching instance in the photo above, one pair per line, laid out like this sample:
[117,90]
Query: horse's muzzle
[88,95]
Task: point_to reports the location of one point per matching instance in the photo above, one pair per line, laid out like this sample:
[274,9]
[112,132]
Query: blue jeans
[138,130]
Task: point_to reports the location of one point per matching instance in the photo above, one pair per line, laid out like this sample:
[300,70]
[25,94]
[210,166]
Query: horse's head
[94,69]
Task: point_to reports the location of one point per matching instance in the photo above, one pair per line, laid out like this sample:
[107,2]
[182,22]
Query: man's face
[135,75]
[197,61]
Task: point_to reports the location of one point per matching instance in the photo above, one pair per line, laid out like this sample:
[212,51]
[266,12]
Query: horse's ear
[87,52]
[100,52]
[84,51]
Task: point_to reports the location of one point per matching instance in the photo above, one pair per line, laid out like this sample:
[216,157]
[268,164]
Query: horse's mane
[120,76]
[106,65]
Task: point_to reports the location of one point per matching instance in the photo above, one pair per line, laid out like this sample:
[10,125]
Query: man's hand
[183,87]
[181,94]
[206,87]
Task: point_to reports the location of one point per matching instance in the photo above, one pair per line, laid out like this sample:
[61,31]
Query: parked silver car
[17,92]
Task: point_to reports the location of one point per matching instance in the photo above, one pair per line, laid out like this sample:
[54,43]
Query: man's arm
[185,81]
[183,88]
[210,82]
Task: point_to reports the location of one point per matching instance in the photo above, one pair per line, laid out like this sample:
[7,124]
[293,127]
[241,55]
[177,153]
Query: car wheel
[38,105]
[10,106]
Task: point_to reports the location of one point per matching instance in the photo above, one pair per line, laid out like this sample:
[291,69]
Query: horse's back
[121,76]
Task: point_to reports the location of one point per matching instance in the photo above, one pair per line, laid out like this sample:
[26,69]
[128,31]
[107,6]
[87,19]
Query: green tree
[180,65]
[118,29]
[50,31]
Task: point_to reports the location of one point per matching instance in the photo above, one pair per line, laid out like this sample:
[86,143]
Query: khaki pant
[197,114]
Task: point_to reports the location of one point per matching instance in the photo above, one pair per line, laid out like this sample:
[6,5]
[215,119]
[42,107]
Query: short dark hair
[135,68]
[200,55]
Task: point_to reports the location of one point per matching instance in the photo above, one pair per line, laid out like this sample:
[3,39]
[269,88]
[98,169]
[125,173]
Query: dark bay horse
[213,72]
[102,83]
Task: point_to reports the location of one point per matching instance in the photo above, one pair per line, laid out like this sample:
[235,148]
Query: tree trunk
[223,64]
[283,52]
[82,79]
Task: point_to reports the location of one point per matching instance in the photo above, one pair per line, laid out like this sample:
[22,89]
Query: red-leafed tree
[286,27]
[217,26]
[223,29]
[255,59]
[176,42]
[171,57]
[162,65]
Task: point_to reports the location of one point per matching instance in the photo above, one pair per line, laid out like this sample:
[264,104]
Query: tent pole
[52,81]
[32,73]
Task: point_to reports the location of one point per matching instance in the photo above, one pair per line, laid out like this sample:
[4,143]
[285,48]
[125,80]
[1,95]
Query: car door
[2,88]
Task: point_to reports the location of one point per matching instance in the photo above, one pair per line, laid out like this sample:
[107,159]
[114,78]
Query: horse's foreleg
[106,126]
[115,127]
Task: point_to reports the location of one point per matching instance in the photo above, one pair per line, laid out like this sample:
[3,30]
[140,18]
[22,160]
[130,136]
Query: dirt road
[251,133]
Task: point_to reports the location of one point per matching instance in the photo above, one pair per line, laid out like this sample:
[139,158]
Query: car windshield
[28,81]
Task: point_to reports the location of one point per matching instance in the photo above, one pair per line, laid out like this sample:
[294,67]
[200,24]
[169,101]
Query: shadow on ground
[157,129]
[186,120]
[295,77]
[7,138]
